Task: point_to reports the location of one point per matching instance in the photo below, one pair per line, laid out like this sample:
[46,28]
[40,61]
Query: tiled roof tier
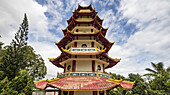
[93,17]
[81,83]
[112,62]
[104,30]
[70,36]
[126,85]
[56,61]
[41,84]
[92,14]
[97,23]
[84,7]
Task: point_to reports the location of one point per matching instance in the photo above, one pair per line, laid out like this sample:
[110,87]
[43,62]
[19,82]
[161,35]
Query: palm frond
[160,66]
[154,65]
[149,74]
[150,70]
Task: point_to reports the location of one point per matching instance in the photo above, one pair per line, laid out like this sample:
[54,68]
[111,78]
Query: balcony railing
[85,74]
[84,49]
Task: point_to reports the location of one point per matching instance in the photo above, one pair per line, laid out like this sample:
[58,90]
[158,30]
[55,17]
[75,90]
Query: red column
[92,44]
[71,92]
[59,92]
[93,66]
[64,68]
[75,44]
[74,66]
[54,92]
[45,92]
[103,69]
[94,92]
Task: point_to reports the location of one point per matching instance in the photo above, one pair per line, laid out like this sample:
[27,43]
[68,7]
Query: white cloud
[12,12]
[151,43]
[12,15]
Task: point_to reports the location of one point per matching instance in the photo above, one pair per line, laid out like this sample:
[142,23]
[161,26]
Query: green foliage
[20,85]
[117,76]
[159,84]
[120,91]
[19,65]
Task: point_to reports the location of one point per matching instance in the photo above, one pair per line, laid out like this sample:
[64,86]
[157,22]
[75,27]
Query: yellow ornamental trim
[68,30]
[97,73]
[103,50]
[113,42]
[53,80]
[64,49]
[69,72]
[56,42]
[39,81]
[129,82]
[100,29]
[51,59]
[115,59]
[71,48]
[114,80]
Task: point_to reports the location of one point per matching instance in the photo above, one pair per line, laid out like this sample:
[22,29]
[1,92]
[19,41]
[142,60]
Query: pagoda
[84,58]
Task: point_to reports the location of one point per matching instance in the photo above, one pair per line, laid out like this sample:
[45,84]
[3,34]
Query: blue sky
[139,28]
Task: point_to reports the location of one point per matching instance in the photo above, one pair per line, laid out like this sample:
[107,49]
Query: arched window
[99,67]
[91,30]
[84,45]
[77,30]
[68,67]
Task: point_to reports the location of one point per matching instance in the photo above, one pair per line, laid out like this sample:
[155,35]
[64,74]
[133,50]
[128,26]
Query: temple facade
[84,58]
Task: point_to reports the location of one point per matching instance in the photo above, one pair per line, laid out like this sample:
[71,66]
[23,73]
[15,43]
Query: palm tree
[159,84]
[158,70]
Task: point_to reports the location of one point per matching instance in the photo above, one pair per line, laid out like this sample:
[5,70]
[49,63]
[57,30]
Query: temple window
[91,30]
[84,45]
[77,30]
[68,67]
[99,67]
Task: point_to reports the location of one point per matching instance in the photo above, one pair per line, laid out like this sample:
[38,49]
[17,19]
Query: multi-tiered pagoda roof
[84,56]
